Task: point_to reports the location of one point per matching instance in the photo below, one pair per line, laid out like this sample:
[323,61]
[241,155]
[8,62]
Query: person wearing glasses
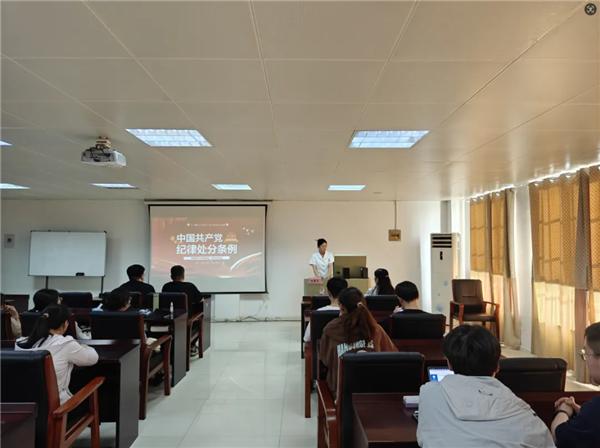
[577,425]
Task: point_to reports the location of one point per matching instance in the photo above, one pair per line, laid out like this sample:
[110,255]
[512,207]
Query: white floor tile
[247,391]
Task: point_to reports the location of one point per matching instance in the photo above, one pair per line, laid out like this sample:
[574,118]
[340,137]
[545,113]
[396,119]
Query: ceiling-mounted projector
[102,154]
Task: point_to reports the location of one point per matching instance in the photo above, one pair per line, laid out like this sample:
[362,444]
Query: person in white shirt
[322,261]
[335,285]
[472,409]
[48,334]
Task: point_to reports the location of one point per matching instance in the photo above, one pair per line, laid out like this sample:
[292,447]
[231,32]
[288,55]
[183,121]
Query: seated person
[335,285]
[354,329]
[46,297]
[575,425]
[118,300]
[408,296]
[383,284]
[48,334]
[472,408]
[15,320]
[135,272]
[179,285]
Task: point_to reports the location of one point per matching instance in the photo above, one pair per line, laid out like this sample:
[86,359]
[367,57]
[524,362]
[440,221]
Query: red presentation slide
[213,249]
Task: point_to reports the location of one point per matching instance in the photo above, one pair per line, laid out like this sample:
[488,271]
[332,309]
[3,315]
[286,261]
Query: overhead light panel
[386,139]
[171,138]
[232,187]
[346,187]
[116,186]
[3,143]
[12,187]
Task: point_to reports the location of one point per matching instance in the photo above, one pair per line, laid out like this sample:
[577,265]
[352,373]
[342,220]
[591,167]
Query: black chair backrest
[179,300]
[382,303]
[374,373]
[25,380]
[117,325]
[77,299]
[418,326]
[5,326]
[141,301]
[318,321]
[29,318]
[19,301]
[533,374]
[319,302]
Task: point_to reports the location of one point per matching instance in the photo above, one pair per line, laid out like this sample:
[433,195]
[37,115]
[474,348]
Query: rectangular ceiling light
[346,187]
[386,139]
[171,138]
[12,187]
[116,186]
[233,187]
[3,143]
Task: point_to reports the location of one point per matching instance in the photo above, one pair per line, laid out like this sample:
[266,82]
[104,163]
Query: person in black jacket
[135,272]
[179,285]
[577,425]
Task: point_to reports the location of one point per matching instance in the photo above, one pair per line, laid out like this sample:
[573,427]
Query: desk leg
[179,351]
[129,399]
[206,324]
[302,331]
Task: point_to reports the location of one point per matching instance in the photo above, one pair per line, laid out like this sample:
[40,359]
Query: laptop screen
[438,373]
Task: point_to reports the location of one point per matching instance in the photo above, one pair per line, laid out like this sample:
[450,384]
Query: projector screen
[221,247]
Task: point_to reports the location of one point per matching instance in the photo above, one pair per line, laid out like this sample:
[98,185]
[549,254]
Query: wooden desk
[178,329]
[207,309]
[18,425]
[119,363]
[381,420]
[543,402]
[304,308]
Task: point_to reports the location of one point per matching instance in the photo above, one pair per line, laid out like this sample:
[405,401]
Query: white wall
[126,223]
[292,227]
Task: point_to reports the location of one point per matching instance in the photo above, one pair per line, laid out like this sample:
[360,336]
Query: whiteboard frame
[69,231]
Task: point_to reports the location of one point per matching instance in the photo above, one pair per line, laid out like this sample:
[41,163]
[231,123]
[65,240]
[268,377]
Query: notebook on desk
[438,373]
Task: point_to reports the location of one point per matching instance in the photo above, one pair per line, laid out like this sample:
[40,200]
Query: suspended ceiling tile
[329,30]
[211,81]
[181,29]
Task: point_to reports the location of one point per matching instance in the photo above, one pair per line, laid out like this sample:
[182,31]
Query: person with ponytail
[48,334]
[355,329]
[383,284]
[46,297]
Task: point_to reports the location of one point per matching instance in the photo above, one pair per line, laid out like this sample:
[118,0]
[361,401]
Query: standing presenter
[322,261]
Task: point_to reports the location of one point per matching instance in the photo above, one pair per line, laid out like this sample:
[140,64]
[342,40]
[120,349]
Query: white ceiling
[509,90]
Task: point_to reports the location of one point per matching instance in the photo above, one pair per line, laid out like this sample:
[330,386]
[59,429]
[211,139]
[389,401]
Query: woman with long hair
[48,334]
[355,329]
[383,284]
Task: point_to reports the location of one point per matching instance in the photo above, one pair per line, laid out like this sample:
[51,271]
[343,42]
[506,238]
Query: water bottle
[171,309]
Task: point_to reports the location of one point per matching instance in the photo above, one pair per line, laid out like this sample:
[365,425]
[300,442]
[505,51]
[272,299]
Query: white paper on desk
[411,401]
[159,328]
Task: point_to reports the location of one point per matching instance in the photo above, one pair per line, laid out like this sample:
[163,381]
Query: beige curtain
[492,231]
[554,214]
[502,263]
[594,207]
[480,247]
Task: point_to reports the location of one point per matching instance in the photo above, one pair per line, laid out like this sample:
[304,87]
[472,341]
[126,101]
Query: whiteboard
[67,254]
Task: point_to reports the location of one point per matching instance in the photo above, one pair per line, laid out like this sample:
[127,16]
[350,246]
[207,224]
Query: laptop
[438,373]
